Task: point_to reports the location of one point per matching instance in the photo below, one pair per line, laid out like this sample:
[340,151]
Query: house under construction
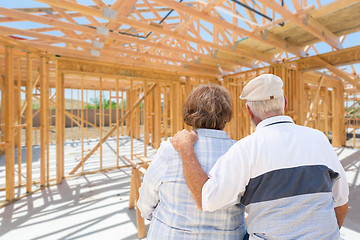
[109,77]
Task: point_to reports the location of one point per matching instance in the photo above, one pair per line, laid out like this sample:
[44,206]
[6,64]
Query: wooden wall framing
[352,119]
[314,100]
[153,108]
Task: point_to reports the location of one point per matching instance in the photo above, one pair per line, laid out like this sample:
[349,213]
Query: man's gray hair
[267,108]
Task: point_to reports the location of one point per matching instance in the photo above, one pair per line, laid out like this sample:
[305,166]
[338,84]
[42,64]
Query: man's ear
[250,112]
[286,103]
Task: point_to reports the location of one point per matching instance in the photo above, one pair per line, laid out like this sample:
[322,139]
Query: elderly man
[288,176]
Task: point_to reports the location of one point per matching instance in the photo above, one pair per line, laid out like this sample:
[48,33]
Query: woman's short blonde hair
[208,106]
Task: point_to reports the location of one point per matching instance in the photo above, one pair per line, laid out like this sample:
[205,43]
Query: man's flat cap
[263,87]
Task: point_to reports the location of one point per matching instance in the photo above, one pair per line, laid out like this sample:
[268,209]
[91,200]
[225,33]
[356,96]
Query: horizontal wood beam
[9,41]
[124,60]
[336,58]
[329,80]
[70,64]
[138,166]
[340,73]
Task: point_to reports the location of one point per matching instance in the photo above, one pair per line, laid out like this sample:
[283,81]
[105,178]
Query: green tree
[106,104]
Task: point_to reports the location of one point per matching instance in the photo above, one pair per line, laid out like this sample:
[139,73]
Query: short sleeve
[227,180]
[340,189]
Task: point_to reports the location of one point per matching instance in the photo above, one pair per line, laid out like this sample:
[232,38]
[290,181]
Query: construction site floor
[96,207]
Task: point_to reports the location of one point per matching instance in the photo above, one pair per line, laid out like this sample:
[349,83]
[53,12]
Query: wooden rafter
[308,23]
[149,27]
[92,32]
[85,44]
[182,43]
[268,37]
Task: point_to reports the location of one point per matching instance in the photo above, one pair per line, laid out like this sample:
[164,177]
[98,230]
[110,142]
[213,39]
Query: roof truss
[211,37]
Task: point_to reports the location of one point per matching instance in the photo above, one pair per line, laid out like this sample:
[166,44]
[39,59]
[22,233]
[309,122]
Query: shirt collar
[273,120]
[211,133]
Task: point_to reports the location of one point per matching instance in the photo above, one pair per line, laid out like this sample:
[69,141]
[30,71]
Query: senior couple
[287,176]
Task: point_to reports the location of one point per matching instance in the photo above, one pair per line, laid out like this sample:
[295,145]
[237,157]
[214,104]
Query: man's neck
[256,121]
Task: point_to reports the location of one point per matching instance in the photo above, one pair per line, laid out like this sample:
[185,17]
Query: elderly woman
[164,196]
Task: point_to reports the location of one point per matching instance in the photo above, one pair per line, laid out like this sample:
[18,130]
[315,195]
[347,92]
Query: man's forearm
[340,213]
[194,175]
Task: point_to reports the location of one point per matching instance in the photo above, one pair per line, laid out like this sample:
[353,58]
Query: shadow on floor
[351,164]
[86,207]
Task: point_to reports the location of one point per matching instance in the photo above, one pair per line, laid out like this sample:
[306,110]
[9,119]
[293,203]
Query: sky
[350,41]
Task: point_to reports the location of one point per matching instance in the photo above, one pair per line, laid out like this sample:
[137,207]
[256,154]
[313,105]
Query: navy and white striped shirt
[288,177]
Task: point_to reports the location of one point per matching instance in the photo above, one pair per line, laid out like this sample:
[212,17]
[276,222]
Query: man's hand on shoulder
[184,140]
[195,176]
